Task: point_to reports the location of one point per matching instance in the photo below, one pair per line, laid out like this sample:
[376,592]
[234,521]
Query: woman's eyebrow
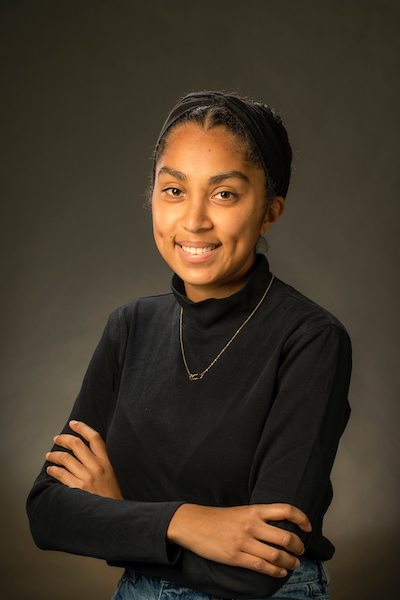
[230,175]
[215,179]
[177,174]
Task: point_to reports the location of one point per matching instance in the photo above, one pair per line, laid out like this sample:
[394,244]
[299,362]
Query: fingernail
[73,422]
[47,455]
[55,438]
[282,573]
[296,564]
[309,528]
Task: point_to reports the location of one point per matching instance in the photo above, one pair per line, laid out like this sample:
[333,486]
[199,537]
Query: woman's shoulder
[303,311]
[144,308]
[134,316]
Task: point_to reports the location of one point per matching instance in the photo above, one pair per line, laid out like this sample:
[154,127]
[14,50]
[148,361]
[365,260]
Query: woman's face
[209,207]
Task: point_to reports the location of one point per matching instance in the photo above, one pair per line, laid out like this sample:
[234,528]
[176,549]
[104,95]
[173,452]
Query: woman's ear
[272,214]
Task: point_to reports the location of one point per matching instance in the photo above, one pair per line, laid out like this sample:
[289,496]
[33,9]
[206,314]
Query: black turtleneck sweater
[262,426]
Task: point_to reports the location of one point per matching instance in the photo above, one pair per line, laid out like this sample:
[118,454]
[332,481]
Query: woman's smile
[196,249]
[209,208]
[195,252]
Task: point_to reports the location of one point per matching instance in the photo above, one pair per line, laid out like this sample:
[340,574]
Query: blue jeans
[310,580]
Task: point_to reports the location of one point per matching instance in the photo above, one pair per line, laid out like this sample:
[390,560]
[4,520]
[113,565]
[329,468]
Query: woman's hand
[239,535]
[89,468]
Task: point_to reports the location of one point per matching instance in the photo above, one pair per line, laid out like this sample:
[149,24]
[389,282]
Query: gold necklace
[197,376]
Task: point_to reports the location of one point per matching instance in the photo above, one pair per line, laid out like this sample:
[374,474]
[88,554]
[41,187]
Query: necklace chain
[197,376]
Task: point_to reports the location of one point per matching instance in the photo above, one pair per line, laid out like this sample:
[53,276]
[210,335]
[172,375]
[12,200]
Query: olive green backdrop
[85,88]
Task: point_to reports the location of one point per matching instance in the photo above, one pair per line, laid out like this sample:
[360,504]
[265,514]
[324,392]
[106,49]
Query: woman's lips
[196,252]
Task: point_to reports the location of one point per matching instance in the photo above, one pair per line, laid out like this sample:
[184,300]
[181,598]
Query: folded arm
[236,536]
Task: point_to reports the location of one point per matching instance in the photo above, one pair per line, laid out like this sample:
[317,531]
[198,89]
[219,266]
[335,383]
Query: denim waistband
[310,580]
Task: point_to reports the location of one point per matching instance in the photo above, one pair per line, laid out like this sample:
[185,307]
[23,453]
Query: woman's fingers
[256,523]
[281,512]
[63,475]
[255,563]
[68,462]
[280,537]
[278,558]
[95,440]
[85,455]
[79,449]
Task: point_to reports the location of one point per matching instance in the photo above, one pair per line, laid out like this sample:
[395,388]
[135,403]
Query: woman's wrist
[179,527]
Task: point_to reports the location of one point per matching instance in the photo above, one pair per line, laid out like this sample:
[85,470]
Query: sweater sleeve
[299,442]
[75,521]
[297,448]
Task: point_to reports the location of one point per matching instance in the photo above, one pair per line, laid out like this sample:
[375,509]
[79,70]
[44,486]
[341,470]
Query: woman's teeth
[192,250]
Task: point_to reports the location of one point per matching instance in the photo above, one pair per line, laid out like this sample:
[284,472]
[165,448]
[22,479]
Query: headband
[269,136]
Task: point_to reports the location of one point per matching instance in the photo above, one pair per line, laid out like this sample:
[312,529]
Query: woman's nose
[195,217]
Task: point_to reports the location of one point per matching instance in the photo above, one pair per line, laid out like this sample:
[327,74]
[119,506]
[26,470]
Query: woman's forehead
[191,137]
[212,155]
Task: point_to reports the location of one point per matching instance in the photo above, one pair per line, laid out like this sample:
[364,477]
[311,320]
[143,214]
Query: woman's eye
[173,191]
[225,195]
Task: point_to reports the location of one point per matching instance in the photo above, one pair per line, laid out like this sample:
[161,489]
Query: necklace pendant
[196,376]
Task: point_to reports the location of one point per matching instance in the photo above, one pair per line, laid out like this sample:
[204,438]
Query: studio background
[86,87]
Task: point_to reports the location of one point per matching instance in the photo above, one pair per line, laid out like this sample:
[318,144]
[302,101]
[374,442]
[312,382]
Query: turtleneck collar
[208,313]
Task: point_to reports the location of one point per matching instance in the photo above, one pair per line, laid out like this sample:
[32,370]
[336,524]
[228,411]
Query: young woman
[209,418]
